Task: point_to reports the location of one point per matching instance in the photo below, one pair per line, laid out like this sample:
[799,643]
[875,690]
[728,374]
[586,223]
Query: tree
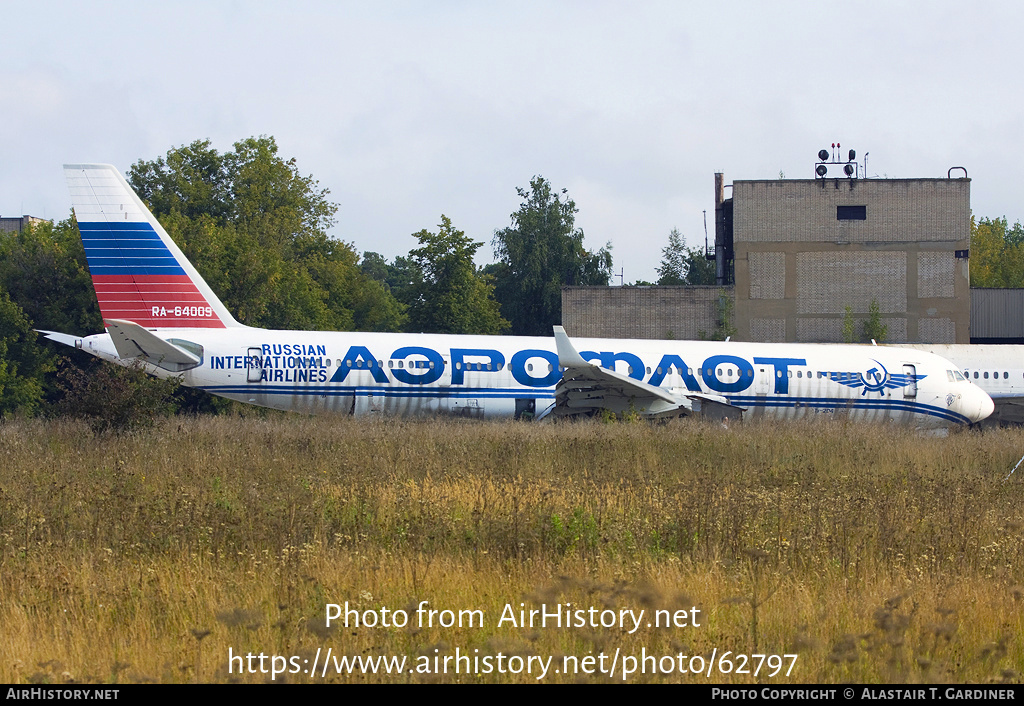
[874,329]
[44,271]
[541,252]
[449,295]
[849,326]
[256,229]
[997,253]
[22,362]
[683,265]
[673,265]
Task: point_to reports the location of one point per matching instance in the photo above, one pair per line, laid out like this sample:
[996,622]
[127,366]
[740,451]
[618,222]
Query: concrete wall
[682,313]
[798,266]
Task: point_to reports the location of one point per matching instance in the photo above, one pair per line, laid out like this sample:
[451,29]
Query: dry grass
[878,555]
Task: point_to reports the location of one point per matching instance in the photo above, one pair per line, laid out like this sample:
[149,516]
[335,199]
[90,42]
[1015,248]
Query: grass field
[873,554]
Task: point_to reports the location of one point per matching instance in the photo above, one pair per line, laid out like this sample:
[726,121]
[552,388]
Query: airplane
[996,369]
[159,312]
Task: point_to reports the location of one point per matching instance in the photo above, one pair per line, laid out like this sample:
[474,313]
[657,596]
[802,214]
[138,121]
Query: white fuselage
[504,376]
[996,369]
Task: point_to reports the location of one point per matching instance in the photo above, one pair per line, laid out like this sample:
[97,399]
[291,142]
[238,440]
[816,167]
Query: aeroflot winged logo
[875,379]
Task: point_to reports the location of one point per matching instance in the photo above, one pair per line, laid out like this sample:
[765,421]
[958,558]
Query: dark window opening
[851,213]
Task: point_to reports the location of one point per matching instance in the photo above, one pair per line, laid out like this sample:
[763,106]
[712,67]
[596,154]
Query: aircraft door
[910,389]
[254,365]
[761,380]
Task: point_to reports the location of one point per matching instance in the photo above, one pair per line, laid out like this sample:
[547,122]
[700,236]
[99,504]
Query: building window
[851,213]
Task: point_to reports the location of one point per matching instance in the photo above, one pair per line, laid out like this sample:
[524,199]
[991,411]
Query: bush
[113,397]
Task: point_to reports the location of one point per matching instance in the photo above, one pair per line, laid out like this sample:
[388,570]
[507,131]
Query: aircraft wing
[587,388]
[133,341]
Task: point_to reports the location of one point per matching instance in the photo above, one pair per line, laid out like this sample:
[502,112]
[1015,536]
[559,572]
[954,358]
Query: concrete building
[795,254]
[803,250]
[18,223]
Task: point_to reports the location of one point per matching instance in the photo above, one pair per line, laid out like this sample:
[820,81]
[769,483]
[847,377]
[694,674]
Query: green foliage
[681,265]
[43,269]
[114,398]
[725,327]
[448,294]
[541,252]
[874,329]
[578,531]
[997,253]
[22,362]
[256,229]
[849,326]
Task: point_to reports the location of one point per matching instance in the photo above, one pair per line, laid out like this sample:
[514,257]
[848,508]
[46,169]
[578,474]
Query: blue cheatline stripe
[127,249]
[840,403]
[475,393]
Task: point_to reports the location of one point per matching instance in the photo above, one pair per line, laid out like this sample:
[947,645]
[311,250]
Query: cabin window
[648,370]
[529,367]
[401,364]
[790,373]
[986,376]
[975,374]
[1006,376]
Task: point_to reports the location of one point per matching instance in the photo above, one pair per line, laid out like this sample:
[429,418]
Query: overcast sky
[407,110]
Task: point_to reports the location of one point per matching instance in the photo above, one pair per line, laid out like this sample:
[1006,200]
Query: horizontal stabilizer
[65,338]
[133,341]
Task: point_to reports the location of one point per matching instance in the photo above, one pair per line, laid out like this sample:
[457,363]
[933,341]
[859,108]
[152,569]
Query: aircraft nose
[979,405]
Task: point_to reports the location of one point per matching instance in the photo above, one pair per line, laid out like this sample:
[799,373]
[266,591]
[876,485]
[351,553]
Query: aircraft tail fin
[139,273]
